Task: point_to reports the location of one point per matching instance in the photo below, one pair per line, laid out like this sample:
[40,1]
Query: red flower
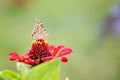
[40,52]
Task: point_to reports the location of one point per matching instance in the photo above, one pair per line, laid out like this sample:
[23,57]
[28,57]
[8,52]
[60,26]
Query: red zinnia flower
[40,50]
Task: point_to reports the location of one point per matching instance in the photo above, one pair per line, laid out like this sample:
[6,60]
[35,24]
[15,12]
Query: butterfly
[39,31]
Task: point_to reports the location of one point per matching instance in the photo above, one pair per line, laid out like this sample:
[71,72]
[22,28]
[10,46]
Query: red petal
[51,47]
[64,59]
[14,56]
[47,58]
[65,51]
[30,61]
[21,59]
[55,51]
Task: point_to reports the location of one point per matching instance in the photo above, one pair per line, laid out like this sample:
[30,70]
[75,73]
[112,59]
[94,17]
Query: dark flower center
[39,49]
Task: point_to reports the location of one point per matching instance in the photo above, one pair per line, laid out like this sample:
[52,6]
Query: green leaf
[45,71]
[22,68]
[2,78]
[7,74]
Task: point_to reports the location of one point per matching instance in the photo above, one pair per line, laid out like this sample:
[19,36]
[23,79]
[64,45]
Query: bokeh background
[89,27]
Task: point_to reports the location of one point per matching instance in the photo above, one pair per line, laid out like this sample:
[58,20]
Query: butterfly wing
[39,31]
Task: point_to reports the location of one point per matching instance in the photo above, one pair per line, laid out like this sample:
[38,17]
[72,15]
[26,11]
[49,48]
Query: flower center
[39,49]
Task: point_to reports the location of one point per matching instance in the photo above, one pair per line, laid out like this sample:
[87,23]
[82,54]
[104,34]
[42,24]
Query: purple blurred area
[111,25]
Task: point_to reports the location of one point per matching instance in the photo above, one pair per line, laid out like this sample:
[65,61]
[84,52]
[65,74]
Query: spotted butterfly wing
[39,32]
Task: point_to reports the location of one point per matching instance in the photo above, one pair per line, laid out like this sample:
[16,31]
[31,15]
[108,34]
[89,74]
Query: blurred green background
[74,23]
